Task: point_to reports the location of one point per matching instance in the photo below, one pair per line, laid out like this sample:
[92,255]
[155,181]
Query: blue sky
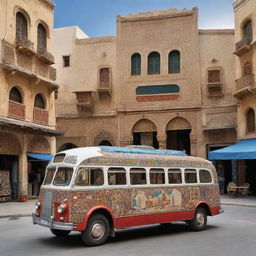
[98,17]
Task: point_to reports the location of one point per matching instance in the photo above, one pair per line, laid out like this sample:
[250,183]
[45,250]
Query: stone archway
[104,139]
[9,144]
[145,133]
[178,134]
[66,146]
[39,144]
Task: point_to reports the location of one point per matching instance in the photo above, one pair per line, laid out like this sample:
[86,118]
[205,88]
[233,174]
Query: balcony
[245,85]
[24,46]
[40,116]
[44,56]
[16,110]
[243,46]
[215,90]
[85,101]
[104,88]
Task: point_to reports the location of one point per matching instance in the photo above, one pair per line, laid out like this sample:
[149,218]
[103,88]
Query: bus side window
[205,176]
[156,176]
[138,176]
[116,176]
[190,176]
[174,176]
[89,177]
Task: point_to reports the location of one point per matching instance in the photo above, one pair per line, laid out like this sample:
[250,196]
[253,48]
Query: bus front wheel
[199,221]
[97,230]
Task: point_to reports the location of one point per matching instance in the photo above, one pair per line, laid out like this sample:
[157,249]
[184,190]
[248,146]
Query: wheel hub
[200,218]
[98,230]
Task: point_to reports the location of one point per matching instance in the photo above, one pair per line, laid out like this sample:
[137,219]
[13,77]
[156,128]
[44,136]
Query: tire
[97,230]
[199,221]
[60,233]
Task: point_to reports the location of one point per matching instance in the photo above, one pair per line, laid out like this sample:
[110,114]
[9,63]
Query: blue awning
[41,157]
[244,149]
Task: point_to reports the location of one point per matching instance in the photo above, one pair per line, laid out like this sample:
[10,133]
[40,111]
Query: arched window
[247,31]
[154,63]
[21,26]
[250,120]
[247,69]
[174,62]
[136,64]
[15,95]
[39,101]
[41,37]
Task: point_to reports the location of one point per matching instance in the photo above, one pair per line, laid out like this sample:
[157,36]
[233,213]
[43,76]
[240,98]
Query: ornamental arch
[104,139]
[67,146]
[39,144]
[145,133]
[178,134]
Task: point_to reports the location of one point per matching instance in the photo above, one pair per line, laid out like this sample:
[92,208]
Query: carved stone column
[161,141]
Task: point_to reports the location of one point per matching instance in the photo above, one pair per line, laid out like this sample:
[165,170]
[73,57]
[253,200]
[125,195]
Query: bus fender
[99,209]
[206,206]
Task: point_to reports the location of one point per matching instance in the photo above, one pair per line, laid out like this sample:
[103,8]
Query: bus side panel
[140,220]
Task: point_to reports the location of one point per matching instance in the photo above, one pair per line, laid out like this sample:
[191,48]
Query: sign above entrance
[164,92]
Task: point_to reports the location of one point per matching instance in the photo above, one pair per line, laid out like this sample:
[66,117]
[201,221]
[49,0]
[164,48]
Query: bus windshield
[49,175]
[63,176]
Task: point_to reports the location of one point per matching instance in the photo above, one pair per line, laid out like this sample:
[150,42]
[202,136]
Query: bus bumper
[52,224]
[221,211]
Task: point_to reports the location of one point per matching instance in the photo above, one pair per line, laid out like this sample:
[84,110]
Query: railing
[243,42]
[16,109]
[247,81]
[44,56]
[23,42]
[40,116]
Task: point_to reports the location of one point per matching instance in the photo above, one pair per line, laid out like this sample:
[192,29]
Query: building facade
[245,92]
[160,81]
[27,84]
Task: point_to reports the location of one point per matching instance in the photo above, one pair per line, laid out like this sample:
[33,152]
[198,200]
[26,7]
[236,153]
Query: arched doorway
[178,135]
[105,143]
[145,133]
[67,146]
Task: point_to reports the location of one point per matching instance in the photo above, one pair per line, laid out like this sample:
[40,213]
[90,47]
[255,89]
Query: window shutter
[214,76]
[174,62]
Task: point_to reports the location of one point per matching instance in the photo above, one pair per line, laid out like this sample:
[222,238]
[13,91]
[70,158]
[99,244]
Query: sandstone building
[159,81]
[27,86]
[245,91]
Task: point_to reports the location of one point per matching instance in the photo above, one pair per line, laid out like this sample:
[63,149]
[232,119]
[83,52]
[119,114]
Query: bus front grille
[47,206]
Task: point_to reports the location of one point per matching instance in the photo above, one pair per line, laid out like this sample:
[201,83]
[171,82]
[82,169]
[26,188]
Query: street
[232,233]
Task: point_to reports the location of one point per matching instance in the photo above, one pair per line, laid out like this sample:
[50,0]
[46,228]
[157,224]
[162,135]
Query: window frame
[137,65]
[154,64]
[201,169]
[114,167]
[20,95]
[172,63]
[146,176]
[181,175]
[69,61]
[191,170]
[89,186]
[157,170]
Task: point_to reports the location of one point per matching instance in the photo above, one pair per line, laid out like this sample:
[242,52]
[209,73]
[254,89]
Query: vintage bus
[98,190]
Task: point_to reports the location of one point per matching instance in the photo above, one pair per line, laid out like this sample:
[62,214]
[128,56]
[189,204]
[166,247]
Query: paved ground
[230,234]
[25,209]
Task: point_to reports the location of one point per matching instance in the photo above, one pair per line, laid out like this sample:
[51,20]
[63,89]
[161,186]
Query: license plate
[44,222]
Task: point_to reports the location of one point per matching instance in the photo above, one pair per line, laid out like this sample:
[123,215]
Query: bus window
[89,177]
[205,176]
[156,176]
[63,176]
[116,176]
[137,176]
[174,176]
[190,176]
[49,175]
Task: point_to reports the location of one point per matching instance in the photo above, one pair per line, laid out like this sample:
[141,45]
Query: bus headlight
[37,205]
[61,208]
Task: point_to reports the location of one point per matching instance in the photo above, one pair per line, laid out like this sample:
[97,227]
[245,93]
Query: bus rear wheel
[60,233]
[97,230]
[199,221]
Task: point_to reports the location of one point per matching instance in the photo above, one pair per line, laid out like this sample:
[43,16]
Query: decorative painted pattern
[136,201]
